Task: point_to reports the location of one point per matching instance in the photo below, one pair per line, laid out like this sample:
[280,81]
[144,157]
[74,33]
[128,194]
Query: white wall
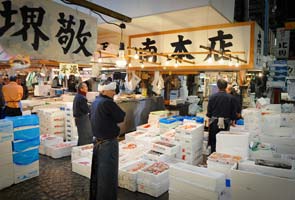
[225,7]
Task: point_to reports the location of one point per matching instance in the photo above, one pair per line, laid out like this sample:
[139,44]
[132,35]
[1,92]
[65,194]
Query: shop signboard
[47,30]
[68,69]
[236,39]
[258,47]
[283,41]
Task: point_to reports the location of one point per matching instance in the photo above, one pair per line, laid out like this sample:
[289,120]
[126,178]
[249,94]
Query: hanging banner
[283,40]
[238,40]
[47,30]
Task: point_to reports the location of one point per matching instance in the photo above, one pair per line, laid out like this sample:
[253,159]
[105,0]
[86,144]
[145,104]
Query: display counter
[137,111]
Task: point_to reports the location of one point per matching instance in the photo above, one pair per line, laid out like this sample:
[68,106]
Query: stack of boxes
[189,182]
[190,138]
[71,132]
[52,121]
[82,159]
[6,162]
[25,146]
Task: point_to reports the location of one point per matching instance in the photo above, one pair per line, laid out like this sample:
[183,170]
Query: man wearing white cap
[105,115]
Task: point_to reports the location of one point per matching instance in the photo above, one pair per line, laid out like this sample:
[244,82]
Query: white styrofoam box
[6,130]
[168,136]
[259,150]
[52,140]
[190,159]
[153,189]
[252,119]
[247,184]
[272,108]
[6,178]
[233,143]
[238,128]
[190,129]
[82,166]
[5,148]
[6,159]
[284,145]
[176,101]
[128,174]
[266,170]
[288,119]
[153,127]
[131,147]
[280,132]
[156,156]
[25,172]
[165,147]
[176,195]
[60,150]
[191,190]
[133,135]
[154,173]
[156,115]
[201,177]
[270,121]
[82,151]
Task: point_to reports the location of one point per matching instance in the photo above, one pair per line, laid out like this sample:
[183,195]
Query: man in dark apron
[105,115]
[221,112]
[81,114]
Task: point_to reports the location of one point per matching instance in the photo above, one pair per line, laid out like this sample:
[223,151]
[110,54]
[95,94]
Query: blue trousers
[104,171]
[84,130]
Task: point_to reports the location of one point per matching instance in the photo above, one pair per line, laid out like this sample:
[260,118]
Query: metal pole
[266,26]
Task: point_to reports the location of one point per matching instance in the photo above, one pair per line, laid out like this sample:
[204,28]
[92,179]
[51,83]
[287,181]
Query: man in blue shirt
[221,112]
[81,113]
[105,115]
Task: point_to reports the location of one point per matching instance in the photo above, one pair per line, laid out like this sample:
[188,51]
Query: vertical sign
[283,40]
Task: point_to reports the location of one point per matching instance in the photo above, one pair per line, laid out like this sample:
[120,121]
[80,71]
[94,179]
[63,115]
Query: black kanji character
[32,17]
[7,13]
[180,47]
[221,38]
[73,69]
[82,39]
[150,48]
[104,45]
[66,33]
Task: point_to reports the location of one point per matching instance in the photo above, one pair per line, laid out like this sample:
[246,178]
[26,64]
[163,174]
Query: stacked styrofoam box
[152,127]
[6,163]
[191,182]
[233,143]
[190,137]
[52,121]
[250,181]
[47,140]
[155,116]
[222,163]
[288,120]
[154,179]
[272,108]
[133,135]
[148,138]
[128,174]
[71,132]
[25,147]
[130,151]
[84,151]
[253,120]
[270,121]
[258,150]
[283,145]
[82,166]
[165,147]
[60,150]
[168,136]
[168,123]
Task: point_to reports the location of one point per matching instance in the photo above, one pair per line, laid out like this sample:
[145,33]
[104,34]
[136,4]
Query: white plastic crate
[7,177]
[153,189]
[84,151]
[132,136]
[60,150]
[154,173]
[156,156]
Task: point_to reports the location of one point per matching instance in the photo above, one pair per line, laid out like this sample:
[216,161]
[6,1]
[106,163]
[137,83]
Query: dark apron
[84,130]
[104,170]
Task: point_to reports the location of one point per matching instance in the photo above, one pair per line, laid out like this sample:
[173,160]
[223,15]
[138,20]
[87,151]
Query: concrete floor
[57,182]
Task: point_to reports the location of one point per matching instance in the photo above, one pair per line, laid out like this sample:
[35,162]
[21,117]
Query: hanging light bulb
[142,65]
[176,64]
[121,62]
[150,59]
[136,56]
[129,65]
